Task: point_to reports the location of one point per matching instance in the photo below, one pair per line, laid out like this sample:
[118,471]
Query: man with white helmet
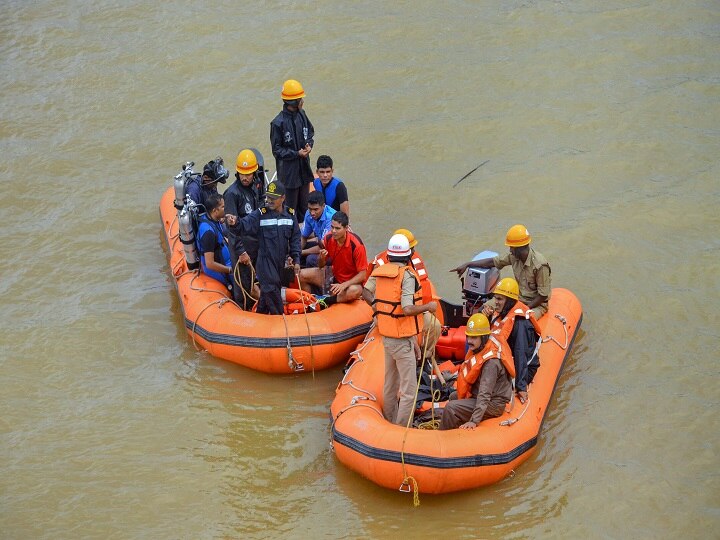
[394,292]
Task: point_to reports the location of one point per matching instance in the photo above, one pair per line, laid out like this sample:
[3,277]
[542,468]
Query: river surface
[600,121]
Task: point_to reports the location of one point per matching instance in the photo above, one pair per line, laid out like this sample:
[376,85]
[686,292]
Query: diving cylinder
[187,237]
[179,184]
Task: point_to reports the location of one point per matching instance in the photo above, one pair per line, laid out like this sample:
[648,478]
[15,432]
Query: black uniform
[279,236]
[290,132]
[241,201]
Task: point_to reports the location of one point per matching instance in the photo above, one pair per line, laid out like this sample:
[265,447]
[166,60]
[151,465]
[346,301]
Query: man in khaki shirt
[531,270]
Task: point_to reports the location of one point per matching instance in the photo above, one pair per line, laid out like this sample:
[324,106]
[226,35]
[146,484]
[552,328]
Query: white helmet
[398,246]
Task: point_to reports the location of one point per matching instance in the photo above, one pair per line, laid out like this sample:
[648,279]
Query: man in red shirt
[346,253]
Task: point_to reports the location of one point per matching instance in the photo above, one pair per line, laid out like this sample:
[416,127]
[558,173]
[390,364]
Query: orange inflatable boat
[444,461]
[269,343]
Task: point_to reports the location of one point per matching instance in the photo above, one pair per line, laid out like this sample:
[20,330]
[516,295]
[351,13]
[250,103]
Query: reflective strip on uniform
[421,272]
[275,221]
[416,260]
[379,262]
[488,354]
[465,372]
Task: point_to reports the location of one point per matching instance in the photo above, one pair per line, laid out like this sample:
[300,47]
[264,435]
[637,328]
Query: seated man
[315,227]
[201,187]
[531,269]
[514,322]
[333,189]
[484,380]
[346,253]
[215,255]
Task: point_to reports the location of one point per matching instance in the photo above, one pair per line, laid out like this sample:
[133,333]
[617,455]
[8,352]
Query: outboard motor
[186,219]
[478,284]
[180,183]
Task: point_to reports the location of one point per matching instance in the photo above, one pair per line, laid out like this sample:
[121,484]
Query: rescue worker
[241,198]
[333,189]
[484,380]
[515,323]
[531,269]
[215,255]
[279,246]
[201,187]
[415,260]
[431,326]
[393,291]
[291,139]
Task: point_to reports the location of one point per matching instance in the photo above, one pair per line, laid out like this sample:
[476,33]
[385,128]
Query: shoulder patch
[291,211]
[263,210]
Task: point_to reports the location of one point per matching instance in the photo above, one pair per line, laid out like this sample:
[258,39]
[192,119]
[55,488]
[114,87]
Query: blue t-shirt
[320,226]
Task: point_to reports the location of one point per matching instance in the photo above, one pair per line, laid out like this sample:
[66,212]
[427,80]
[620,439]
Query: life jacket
[206,224]
[391,320]
[471,368]
[504,327]
[329,192]
[418,265]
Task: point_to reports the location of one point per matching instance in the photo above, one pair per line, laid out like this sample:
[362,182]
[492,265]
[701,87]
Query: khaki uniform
[533,277]
[400,363]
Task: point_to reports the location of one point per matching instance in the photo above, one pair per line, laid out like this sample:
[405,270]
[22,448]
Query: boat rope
[405,486]
[221,302]
[353,403]
[307,324]
[201,289]
[563,320]
[511,421]
[292,363]
[248,298]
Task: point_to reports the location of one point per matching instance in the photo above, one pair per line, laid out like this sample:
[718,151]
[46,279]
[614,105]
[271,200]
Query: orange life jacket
[391,320]
[418,265]
[503,327]
[471,368]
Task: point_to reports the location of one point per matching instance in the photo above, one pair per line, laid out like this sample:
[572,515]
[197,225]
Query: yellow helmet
[291,90]
[246,162]
[517,236]
[508,287]
[477,325]
[407,234]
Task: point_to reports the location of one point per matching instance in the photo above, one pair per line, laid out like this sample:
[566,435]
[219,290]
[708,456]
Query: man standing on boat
[291,139]
[241,198]
[279,249]
[531,269]
[483,384]
[394,292]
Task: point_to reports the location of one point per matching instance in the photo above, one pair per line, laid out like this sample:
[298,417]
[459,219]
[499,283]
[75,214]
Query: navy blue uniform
[289,132]
[279,236]
[240,201]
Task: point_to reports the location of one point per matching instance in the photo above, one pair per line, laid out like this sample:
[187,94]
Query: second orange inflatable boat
[445,461]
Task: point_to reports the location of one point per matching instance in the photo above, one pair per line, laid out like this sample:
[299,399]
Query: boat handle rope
[563,320]
[405,486]
[511,421]
[307,324]
[221,302]
[292,363]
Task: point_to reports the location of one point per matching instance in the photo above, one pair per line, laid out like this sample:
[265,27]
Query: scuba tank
[187,235]
[180,182]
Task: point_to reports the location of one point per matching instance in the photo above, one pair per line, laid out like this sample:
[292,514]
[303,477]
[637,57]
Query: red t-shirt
[347,260]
